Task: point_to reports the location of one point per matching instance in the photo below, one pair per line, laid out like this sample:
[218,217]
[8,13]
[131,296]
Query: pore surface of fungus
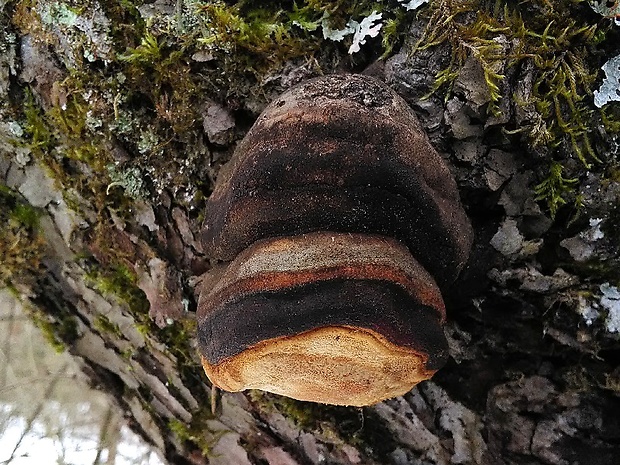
[332,209]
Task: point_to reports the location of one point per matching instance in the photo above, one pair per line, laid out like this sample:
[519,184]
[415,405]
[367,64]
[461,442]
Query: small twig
[213,399]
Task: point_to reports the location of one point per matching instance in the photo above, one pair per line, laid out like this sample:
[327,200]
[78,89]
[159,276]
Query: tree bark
[534,374]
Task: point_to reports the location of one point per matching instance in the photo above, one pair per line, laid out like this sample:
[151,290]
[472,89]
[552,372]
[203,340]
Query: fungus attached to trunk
[322,209]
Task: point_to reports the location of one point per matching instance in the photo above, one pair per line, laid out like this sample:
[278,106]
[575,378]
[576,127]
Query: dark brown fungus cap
[340,153]
[347,319]
[322,209]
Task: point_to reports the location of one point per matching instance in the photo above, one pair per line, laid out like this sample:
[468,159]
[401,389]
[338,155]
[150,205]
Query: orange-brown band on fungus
[424,294]
[285,286]
[275,263]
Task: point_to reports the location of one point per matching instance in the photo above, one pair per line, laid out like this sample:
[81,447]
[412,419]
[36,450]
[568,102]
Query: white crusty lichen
[412,4]
[605,306]
[86,28]
[607,9]
[610,301]
[370,26]
[610,88]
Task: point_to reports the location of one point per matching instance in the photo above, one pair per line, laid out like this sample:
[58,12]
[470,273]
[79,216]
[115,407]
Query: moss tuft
[197,433]
[120,281]
[552,43]
[555,189]
[310,415]
[57,323]
[21,244]
[103,324]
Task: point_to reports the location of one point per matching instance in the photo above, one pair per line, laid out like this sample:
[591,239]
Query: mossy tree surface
[562,42]
[21,246]
[112,100]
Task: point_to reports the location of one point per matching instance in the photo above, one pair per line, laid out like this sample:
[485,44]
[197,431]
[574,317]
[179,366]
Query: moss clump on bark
[359,427]
[197,434]
[559,42]
[60,330]
[21,244]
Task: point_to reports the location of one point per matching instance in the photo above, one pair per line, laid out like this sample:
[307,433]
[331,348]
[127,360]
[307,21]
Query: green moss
[150,96]
[248,43]
[148,53]
[178,337]
[73,154]
[49,332]
[180,430]
[21,244]
[555,189]
[56,322]
[607,270]
[265,36]
[306,415]
[26,216]
[356,426]
[41,138]
[128,354]
[394,31]
[555,39]
[159,69]
[310,415]
[103,324]
[610,117]
[466,39]
[197,433]
[143,328]
[120,281]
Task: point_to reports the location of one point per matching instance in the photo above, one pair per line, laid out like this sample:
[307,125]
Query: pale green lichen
[148,142]
[59,13]
[15,128]
[130,179]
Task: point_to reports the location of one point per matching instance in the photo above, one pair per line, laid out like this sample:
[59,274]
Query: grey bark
[534,375]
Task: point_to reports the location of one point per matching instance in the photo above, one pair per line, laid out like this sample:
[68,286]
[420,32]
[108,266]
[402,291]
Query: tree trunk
[114,123]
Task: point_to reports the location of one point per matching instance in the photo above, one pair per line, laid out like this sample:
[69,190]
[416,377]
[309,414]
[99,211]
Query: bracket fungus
[340,222]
